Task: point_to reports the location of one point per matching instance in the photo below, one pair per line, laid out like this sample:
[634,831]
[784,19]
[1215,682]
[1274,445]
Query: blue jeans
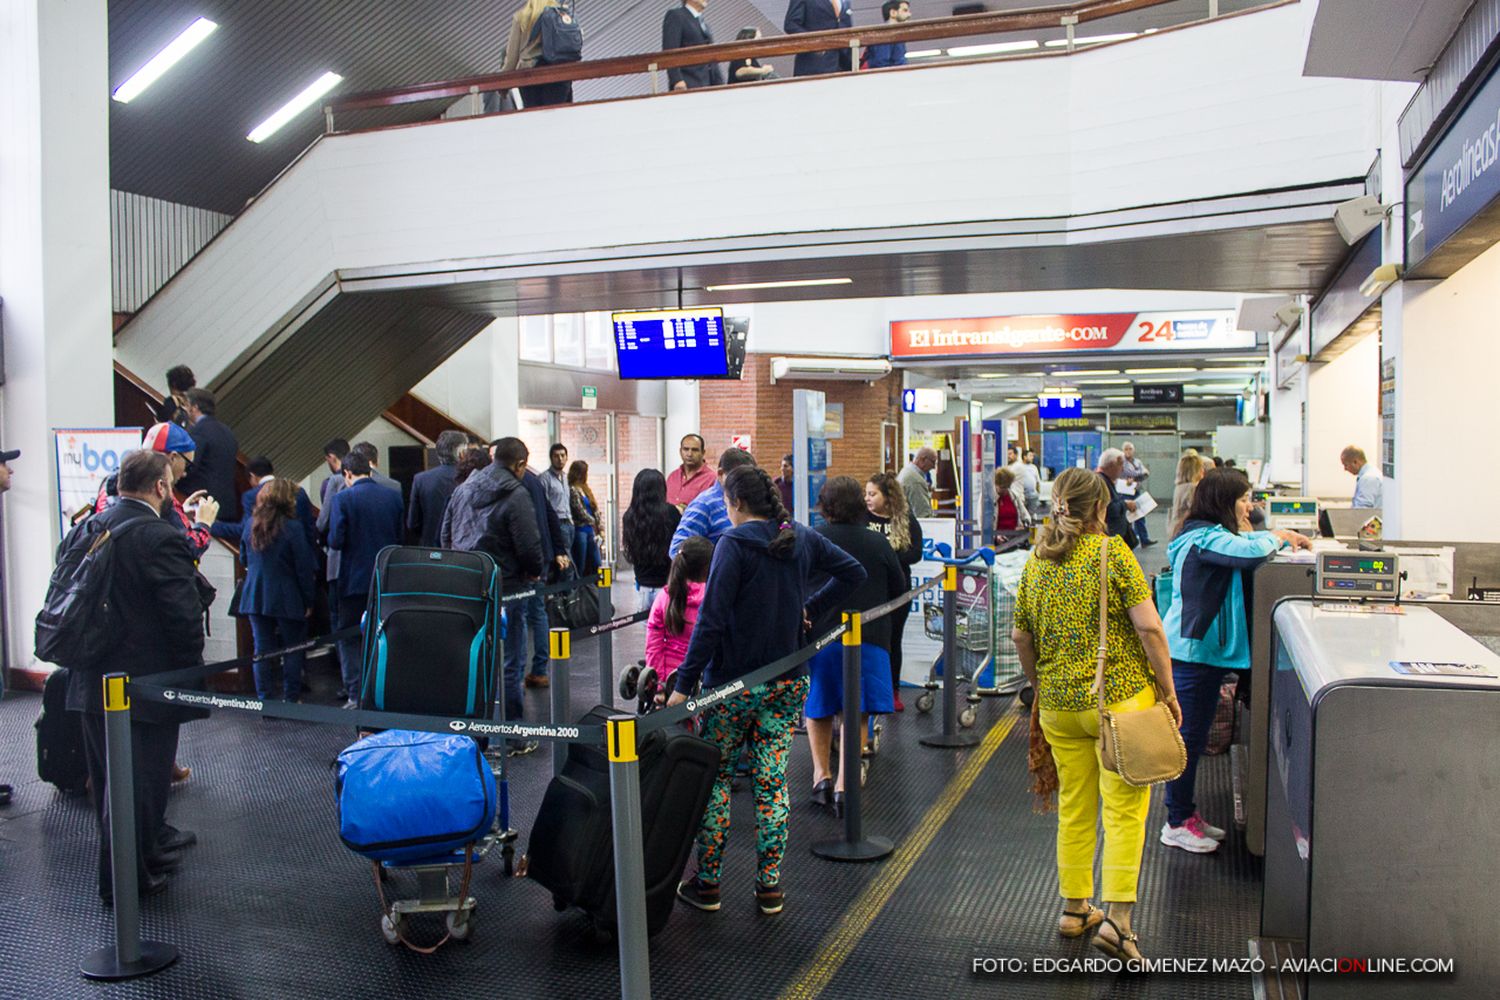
[1198,696]
[277,633]
[1140,531]
[530,614]
[351,651]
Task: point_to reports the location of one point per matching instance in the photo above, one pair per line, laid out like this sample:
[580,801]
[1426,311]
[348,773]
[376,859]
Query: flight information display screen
[671,343]
[1293,508]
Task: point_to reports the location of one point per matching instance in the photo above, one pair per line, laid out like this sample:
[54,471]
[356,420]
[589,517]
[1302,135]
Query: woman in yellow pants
[1056,635]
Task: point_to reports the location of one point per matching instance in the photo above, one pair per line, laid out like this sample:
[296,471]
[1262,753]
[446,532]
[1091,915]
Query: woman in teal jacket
[1207,625]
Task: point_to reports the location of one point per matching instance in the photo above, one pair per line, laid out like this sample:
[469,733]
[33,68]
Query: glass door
[587,434]
[638,446]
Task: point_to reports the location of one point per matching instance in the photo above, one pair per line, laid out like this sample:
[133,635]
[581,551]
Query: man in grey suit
[333,453]
[372,454]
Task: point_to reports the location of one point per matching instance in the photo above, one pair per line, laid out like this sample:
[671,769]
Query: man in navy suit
[365,518]
[431,491]
[684,26]
[260,469]
[819,15]
[215,455]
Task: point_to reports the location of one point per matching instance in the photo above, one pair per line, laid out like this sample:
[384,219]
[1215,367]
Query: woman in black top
[890,515]
[749,70]
[646,531]
[843,507]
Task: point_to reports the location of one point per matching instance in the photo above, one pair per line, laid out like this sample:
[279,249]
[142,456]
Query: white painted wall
[1447,357]
[54,271]
[1110,128]
[464,386]
[505,377]
[1343,400]
[382,434]
[1285,458]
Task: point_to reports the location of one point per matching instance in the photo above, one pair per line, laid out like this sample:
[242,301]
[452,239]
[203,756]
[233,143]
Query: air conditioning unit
[830,369]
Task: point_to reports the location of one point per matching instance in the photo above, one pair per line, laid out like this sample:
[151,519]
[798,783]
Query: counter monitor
[1295,513]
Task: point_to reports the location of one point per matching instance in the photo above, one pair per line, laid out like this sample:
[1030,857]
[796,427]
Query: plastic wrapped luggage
[572,850]
[432,633]
[405,796]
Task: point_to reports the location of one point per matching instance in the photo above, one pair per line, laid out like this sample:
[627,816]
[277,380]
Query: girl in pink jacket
[669,628]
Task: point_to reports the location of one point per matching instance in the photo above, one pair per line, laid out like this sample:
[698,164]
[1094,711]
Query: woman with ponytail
[1056,635]
[756,602]
[890,516]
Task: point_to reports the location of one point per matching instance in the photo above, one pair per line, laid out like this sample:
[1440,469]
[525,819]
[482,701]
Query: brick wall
[764,410]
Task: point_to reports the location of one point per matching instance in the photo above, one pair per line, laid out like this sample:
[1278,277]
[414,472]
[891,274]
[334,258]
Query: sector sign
[1013,335]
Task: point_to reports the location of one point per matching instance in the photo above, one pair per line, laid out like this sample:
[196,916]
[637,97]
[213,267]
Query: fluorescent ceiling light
[291,109]
[1061,390]
[1090,371]
[1092,39]
[1117,399]
[1020,399]
[1107,381]
[924,54]
[1256,359]
[993,48]
[803,283]
[1157,371]
[1236,371]
[164,60]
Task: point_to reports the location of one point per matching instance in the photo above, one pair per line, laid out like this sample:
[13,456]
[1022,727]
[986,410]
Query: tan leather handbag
[1144,747]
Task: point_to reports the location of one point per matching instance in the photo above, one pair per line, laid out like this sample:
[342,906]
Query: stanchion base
[950,742]
[105,963]
[869,849]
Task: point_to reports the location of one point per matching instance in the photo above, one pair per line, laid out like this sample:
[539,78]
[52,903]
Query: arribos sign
[1003,335]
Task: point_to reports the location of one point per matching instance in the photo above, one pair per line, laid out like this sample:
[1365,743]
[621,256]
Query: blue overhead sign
[1458,178]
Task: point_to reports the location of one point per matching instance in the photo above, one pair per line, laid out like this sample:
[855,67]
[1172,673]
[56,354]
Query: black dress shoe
[838,805]
[822,793]
[147,885]
[160,864]
[173,839]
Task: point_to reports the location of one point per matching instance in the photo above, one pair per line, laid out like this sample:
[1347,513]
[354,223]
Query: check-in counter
[1277,579]
[1382,818]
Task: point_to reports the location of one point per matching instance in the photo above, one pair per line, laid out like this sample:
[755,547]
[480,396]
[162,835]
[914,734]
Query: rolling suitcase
[432,633]
[572,848]
[59,737]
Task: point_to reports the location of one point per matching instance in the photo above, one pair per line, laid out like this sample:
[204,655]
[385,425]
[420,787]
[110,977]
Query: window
[567,339]
[598,341]
[536,431]
[536,339]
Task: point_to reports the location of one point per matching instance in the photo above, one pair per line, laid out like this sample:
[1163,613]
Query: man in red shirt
[692,477]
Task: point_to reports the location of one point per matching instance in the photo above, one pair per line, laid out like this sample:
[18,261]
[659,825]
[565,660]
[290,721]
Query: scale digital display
[1292,508]
[671,343]
[1358,565]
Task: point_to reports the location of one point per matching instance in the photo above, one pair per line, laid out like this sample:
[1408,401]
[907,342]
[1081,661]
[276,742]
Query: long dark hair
[578,479]
[275,504]
[751,486]
[646,526]
[1217,493]
[689,565]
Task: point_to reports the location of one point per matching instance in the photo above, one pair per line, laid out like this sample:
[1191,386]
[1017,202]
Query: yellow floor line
[839,943]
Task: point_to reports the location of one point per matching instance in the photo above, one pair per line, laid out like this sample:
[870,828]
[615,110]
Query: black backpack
[77,625]
[59,737]
[562,38]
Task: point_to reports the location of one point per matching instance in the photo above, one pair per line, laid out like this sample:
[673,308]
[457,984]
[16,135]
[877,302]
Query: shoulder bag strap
[1103,651]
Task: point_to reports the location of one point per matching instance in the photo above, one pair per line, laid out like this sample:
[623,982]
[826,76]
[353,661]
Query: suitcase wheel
[460,924]
[646,689]
[628,681]
[390,928]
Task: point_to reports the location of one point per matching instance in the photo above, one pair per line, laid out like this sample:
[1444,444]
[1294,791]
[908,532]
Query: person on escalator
[1213,559]
[755,608]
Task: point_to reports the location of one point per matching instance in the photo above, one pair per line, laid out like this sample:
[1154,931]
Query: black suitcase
[572,847]
[432,632]
[59,737]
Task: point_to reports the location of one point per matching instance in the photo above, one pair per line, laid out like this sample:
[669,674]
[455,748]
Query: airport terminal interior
[1193,297]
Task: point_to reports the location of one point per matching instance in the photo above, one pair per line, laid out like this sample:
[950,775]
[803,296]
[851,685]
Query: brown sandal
[1121,947]
[1087,921]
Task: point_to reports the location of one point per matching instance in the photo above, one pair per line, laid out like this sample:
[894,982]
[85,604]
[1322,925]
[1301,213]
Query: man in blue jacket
[706,515]
[894,53]
[365,518]
[260,469]
[819,15]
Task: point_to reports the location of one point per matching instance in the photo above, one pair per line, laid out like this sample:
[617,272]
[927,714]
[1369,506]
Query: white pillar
[683,418]
[505,377]
[54,269]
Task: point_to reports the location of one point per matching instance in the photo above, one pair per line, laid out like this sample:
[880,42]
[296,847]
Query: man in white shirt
[1027,478]
[914,482]
[1368,486]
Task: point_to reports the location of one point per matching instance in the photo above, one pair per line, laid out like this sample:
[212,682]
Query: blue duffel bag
[405,796]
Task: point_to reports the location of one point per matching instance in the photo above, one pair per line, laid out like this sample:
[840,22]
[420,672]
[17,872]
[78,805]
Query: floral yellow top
[1058,603]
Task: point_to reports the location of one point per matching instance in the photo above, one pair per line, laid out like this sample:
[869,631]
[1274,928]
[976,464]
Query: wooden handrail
[960,26]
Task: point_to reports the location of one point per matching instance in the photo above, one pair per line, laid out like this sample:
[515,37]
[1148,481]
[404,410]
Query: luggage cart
[987,659]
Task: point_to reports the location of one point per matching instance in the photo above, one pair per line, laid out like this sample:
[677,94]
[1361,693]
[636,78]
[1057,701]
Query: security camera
[1357,216]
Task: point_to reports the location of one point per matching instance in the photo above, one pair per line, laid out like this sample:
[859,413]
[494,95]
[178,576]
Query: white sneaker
[1208,829]
[1190,836]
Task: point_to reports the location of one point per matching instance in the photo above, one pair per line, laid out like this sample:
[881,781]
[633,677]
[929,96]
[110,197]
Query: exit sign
[591,397]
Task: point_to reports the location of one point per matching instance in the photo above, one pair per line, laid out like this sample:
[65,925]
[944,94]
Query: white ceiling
[1380,39]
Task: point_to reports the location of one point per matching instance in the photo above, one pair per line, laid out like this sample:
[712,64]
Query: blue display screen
[1059,407]
[671,343]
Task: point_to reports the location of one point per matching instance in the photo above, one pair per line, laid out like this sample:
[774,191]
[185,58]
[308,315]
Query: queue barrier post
[630,860]
[561,649]
[950,737]
[604,582]
[854,846]
[129,956]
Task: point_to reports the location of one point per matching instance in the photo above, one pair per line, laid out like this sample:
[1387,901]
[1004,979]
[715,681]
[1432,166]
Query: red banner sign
[936,338]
